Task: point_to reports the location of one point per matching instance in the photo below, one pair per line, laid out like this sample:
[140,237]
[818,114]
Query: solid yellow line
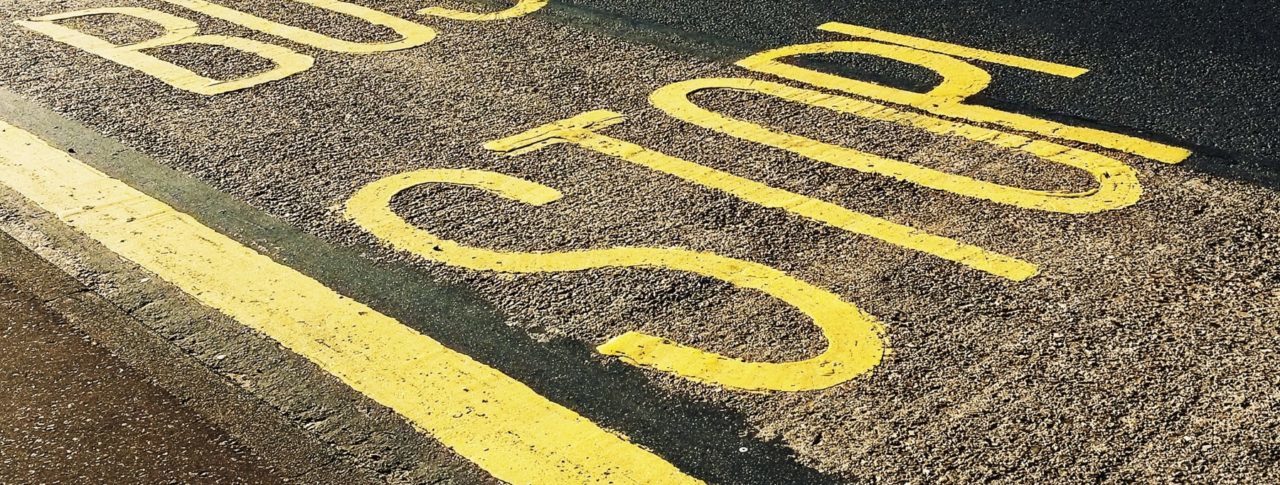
[483,415]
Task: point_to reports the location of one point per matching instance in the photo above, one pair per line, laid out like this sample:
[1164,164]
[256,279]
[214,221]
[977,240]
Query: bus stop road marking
[485,416]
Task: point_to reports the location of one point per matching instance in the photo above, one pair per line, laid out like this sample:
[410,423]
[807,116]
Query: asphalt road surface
[594,241]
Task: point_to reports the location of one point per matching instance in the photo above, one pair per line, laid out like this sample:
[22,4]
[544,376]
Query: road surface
[748,242]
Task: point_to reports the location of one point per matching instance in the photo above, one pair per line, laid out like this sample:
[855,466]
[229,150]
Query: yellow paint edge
[485,416]
[955,50]
[520,9]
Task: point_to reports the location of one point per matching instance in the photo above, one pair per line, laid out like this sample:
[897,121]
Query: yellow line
[485,416]
[955,50]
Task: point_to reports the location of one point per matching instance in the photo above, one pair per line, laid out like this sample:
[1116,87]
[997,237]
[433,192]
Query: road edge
[215,399]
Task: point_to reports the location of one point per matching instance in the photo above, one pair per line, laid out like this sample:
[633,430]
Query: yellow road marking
[1117,183]
[854,342]
[411,34]
[960,80]
[495,421]
[177,31]
[955,50]
[520,9]
[582,129]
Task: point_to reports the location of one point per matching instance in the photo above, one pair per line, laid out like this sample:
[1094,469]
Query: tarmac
[1140,345]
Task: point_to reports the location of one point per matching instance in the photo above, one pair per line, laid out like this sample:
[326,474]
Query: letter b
[177,31]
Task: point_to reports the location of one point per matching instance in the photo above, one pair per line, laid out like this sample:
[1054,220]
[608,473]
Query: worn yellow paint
[582,130]
[955,50]
[495,421]
[854,342]
[411,34]
[1117,183]
[960,80]
[177,31]
[520,9]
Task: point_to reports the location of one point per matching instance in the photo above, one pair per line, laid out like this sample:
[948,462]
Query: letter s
[855,342]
